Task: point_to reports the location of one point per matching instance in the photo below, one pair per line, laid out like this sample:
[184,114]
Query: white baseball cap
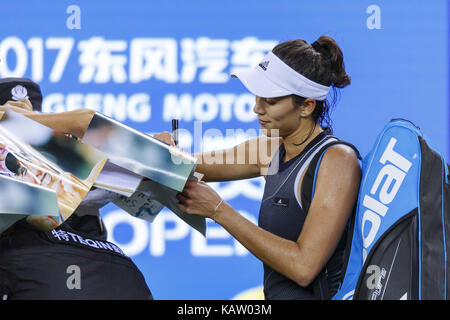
[273,78]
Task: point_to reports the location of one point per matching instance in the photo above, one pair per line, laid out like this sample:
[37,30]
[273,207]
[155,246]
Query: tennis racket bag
[400,228]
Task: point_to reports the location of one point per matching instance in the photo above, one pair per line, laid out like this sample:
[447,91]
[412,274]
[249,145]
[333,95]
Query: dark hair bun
[332,54]
[321,62]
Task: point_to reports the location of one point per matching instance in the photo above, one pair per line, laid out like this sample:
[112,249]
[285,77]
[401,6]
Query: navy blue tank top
[282,214]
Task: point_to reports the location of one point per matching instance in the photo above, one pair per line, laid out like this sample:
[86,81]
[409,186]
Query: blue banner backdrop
[146,62]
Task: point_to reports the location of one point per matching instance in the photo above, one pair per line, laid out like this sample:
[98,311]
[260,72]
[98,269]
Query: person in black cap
[17,89]
[37,264]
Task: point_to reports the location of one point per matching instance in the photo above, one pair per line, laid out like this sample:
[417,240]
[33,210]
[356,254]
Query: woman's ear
[308,107]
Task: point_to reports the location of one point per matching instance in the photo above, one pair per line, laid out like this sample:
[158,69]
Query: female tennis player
[299,240]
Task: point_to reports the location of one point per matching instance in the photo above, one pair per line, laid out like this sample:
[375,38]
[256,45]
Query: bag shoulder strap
[320,285]
[309,180]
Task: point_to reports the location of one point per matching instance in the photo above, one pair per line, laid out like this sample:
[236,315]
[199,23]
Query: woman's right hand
[165,137]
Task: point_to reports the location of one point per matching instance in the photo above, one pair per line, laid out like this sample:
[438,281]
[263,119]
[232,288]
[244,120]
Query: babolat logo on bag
[400,229]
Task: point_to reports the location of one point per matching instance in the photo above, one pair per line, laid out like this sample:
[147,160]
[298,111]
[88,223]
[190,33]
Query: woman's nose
[258,108]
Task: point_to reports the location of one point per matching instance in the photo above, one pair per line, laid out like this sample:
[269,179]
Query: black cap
[21,88]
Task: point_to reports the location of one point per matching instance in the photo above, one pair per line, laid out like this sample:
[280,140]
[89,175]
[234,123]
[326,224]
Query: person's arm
[75,122]
[22,106]
[248,159]
[335,195]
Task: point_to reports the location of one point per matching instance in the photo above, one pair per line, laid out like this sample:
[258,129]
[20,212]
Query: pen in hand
[175,131]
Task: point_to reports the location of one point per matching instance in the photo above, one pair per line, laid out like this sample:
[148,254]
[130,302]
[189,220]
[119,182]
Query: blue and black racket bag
[400,229]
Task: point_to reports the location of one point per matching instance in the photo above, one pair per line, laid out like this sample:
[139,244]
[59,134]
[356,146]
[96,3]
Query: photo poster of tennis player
[19,199]
[139,152]
[164,169]
[53,160]
[149,199]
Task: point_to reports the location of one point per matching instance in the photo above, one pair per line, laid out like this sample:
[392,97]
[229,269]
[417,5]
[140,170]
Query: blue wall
[141,61]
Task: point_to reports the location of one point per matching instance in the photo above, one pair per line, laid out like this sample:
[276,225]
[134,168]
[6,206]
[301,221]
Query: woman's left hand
[198,198]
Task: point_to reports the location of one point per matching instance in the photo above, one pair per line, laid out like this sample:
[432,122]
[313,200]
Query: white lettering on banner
[54,102]
[159,233]
[201,248]
[244,108]
[37,58]
[137,107]
[153,58]
[16,47]
[248,52]
[209,54]
[167,227]
[64,47]
[101,61]
[178,108]
[140,231]
[392,176]
[226,103]
[121,107]
[207,107]
[35,44]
